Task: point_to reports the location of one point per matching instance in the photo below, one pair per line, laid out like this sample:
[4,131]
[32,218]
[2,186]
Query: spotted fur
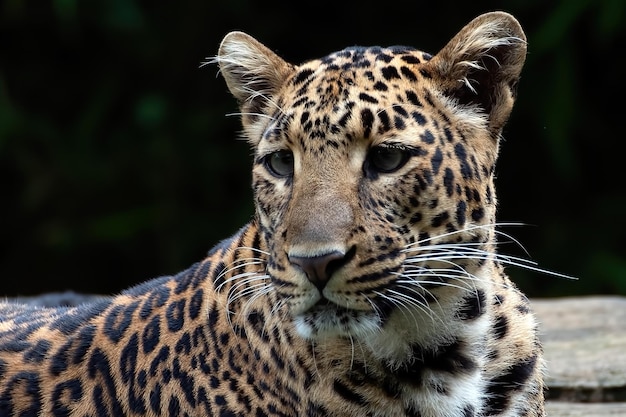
[368,282]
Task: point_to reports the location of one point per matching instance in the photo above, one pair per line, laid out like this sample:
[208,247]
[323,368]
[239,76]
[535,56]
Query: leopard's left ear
[481,66]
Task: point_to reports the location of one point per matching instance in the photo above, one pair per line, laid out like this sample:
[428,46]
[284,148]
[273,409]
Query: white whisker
[239,114]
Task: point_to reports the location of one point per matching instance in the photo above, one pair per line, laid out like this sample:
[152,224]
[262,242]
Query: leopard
[368,281]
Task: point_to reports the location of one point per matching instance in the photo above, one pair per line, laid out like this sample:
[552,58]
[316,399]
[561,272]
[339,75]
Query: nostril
[319,269]
[335,264]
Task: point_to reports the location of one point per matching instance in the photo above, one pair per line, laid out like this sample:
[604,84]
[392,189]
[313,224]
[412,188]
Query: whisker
[250,248]
[239,114]
[467,251]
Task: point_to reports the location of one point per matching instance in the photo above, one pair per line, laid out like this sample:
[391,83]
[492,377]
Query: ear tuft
[481,65]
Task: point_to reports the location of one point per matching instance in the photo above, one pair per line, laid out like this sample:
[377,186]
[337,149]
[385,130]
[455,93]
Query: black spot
[461,154]
[173,408]
[118,320]
[161,357]
[166,375]
[448,181]
[155,399]
[439,219]
[367,98]
[478,214]
[219,276]
[469,411]
[380,86]
[412,97]
[304,119]
[83,343]
[69,322]
[416,218]
[157,298]
[436,160]
[346,393]
[186,383]
[59,361]
[302,76]
[500,388]
[390,73]
[28,386]
[278,360]
[71,389]
[401,111]
[406,71]
[501,327]
[195,304]
[367,121]
[151,335]
[399,123]
[451,358]
[425,73]
[203,399]
[419,118]
[461,207]
[410,59]
[184,279]
[37,353]
[473,306]
[104,394]
[175,315]
[142,378]
[384,57]
[184,344]
[427,137]
[384,121]
[128,367]
[345,118]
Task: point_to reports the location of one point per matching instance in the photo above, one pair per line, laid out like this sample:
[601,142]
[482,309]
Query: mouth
[326,319]
[324,304]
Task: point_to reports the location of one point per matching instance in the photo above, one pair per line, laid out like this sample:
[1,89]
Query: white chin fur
[330,324]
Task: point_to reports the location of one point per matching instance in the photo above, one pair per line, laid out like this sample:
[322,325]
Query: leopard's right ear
[253,73]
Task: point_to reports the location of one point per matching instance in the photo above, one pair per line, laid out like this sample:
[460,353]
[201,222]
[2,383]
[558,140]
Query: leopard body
[368,282]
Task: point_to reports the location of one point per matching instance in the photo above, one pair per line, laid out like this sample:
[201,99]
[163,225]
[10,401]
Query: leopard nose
[319,269]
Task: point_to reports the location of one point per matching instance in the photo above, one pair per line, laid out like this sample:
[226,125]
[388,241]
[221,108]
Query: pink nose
[319,269]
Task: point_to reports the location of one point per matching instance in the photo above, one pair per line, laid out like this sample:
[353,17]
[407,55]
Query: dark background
[118,162]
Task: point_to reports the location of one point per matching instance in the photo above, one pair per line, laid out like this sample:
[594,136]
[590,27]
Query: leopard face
[373,175]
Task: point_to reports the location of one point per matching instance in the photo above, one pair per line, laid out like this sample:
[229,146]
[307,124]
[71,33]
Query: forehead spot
[390,73]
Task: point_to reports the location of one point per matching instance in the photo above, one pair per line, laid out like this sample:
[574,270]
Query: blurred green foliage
[119,163]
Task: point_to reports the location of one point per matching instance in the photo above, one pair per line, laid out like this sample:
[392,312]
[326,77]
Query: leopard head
[373,173]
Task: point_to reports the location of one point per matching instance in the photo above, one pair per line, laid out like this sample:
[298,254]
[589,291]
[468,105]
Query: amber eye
[387,158]
[280,163]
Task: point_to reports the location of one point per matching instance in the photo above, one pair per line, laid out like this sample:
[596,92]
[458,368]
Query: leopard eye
[387,159]
[280,163]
